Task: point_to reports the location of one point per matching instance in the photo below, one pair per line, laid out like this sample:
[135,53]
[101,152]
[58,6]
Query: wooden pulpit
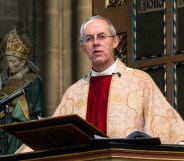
[70,138]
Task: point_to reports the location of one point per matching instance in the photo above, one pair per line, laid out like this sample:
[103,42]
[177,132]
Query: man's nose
[96,40]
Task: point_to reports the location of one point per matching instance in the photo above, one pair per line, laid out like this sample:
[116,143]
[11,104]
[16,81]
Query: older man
[116,99]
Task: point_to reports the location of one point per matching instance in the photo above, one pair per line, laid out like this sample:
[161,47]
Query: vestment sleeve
[161,119]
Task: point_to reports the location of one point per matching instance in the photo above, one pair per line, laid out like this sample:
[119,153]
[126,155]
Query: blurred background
[53,26]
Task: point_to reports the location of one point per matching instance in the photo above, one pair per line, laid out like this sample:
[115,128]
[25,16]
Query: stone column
[51,54]
[64,62]
[74,64]
[81,63]
[66,46]
[84,11]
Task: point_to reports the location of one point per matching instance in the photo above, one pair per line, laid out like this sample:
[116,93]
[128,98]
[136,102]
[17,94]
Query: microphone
[15,94]
[118,73]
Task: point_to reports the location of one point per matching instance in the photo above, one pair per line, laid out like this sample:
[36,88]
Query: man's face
[14,64]
[100,52]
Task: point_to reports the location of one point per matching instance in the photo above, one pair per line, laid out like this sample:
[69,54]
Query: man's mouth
[96,51]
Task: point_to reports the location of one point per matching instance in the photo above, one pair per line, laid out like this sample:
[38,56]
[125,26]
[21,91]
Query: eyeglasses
[90,39]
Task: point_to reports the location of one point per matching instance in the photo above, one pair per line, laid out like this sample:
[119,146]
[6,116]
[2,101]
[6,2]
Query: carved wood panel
[154,40]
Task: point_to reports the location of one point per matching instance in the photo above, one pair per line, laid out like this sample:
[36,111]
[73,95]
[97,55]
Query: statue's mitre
[15,47]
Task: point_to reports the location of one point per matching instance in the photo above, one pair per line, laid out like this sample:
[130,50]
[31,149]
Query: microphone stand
[4,105]
[5,137]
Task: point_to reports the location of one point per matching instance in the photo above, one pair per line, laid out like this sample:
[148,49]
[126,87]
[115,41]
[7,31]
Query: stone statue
[19,71]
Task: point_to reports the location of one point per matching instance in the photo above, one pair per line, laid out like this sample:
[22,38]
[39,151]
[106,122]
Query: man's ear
[116,41]
[82,46]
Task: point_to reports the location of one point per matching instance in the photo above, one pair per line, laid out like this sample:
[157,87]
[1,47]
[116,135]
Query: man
[116,99]
[20,70]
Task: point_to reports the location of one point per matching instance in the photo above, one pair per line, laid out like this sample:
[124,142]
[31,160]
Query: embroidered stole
[98,101]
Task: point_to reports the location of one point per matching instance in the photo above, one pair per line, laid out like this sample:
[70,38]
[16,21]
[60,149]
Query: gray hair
[112,29]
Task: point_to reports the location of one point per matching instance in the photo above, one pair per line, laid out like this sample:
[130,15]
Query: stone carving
[115,3]
[121,50]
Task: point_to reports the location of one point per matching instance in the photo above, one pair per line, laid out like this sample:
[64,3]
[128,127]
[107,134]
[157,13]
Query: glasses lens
[90,38]
[101,37]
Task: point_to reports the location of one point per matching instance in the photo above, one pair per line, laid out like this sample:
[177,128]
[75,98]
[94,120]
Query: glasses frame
[99,37]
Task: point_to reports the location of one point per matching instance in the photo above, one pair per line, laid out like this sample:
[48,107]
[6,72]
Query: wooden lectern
[70,138]
[53,132]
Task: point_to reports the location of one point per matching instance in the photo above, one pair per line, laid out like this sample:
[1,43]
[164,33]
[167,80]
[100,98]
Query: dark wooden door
[152,33]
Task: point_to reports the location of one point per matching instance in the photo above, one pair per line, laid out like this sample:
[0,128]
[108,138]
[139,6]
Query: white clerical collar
[108,71]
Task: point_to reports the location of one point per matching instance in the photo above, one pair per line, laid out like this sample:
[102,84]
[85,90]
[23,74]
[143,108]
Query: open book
[136,137]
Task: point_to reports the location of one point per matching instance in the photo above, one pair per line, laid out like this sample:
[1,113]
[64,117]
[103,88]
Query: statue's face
[15,64]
